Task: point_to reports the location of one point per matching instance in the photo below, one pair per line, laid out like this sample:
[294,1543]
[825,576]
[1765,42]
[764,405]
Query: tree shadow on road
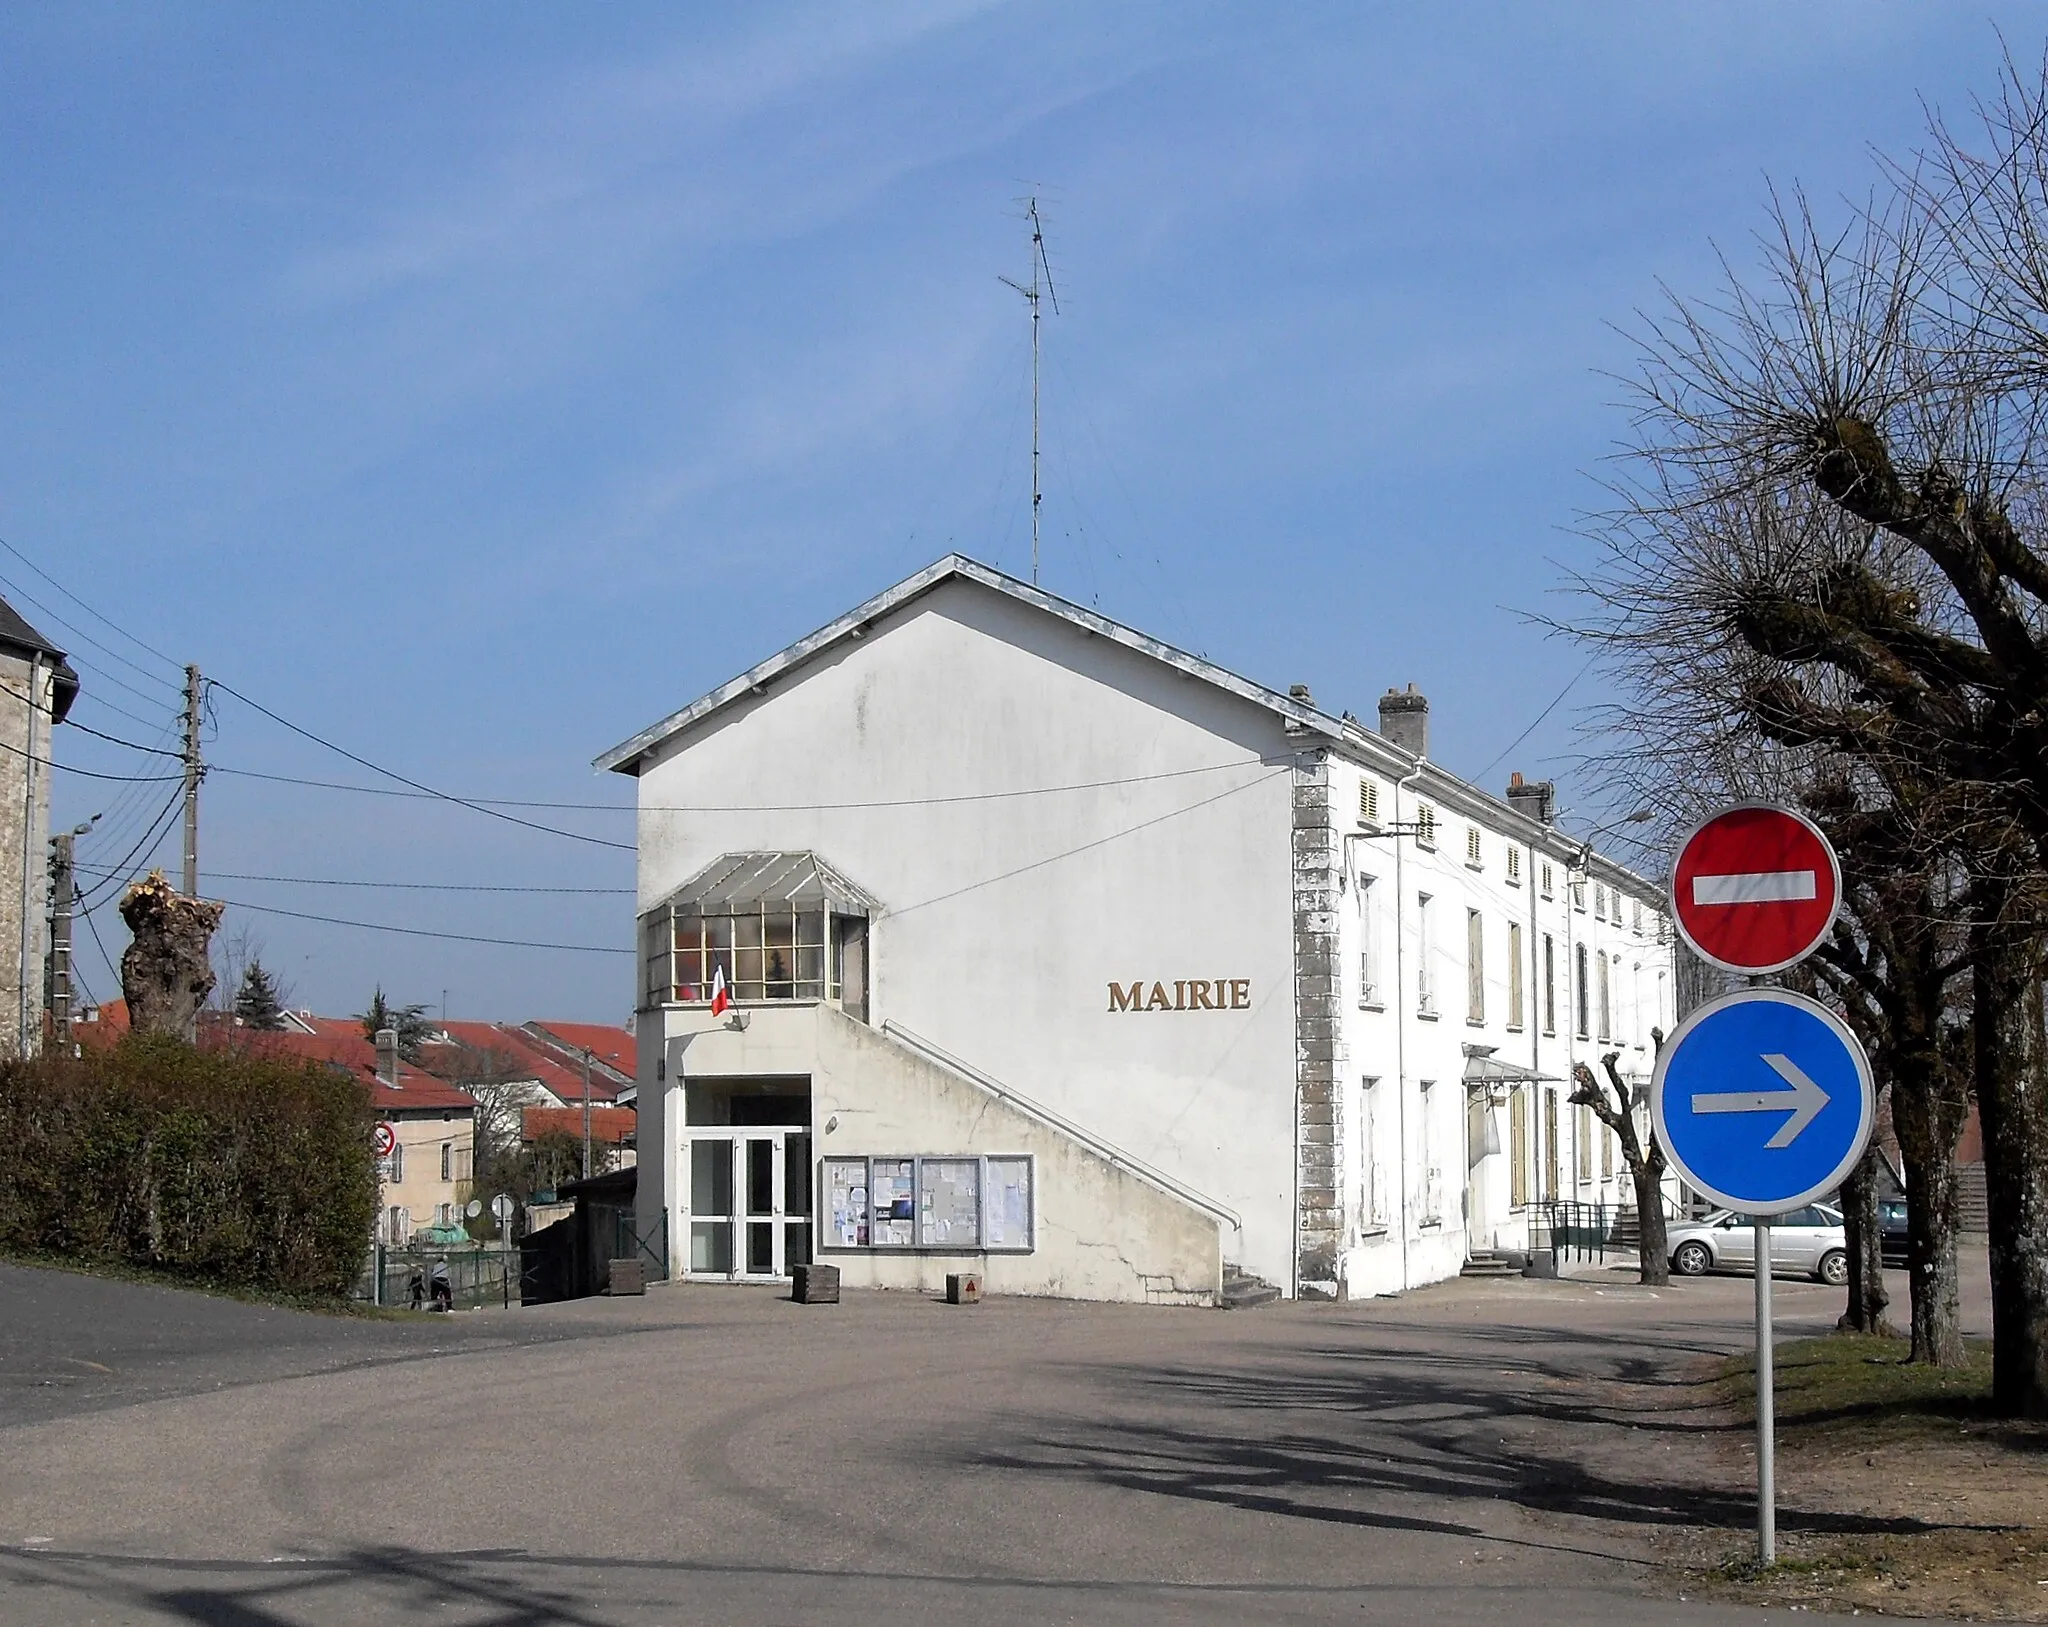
[1417,1442]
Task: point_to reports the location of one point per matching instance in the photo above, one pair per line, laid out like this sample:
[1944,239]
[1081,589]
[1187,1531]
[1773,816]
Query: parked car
[1891,1229]
[1808,1241]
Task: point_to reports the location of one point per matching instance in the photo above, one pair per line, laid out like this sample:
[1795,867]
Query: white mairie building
[1064,956]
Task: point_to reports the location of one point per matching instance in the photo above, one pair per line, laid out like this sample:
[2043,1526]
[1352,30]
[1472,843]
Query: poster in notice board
[1008,1205]
[895,1212]
[950,1204]
[846,1201]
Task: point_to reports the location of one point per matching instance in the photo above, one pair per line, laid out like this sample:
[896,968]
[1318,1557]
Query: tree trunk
[1868,1298]
[167,968]
[1931,1259]
[1652,1244]
[2007,1034]
[1929,1107]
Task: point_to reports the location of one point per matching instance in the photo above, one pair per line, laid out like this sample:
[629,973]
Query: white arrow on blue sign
[1763,1101]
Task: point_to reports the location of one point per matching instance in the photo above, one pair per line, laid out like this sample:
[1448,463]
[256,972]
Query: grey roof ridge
[624,756]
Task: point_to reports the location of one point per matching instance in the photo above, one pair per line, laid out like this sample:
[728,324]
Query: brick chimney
[387,1055]
[1538,800]
[1404,719]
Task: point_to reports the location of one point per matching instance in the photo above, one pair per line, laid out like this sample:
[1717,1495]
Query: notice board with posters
[965,1203]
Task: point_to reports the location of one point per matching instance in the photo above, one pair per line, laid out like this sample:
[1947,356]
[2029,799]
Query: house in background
[37,687]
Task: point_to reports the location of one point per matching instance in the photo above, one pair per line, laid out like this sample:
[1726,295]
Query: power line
[124,779]
[147,649]
[1540,716]
[113,971]
[401,886]
[63,621]
[101,673]
[736,808]
[98,699]
[422,932]
[125,871]
[116,740]
[428,790]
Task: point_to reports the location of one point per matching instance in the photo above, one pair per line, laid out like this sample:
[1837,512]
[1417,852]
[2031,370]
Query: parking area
[719,1453]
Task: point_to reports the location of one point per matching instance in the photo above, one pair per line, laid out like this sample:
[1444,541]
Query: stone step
[1243,1292]
[1973,1211]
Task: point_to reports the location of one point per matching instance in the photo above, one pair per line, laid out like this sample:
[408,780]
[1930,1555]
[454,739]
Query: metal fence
[477,1276]
[1579,1231]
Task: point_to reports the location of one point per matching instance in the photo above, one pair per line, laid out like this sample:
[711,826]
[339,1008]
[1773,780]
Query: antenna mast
[1032,295]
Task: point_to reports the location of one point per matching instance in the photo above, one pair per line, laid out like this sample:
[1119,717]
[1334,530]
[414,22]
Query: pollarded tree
[1642,1154]
[1837,511]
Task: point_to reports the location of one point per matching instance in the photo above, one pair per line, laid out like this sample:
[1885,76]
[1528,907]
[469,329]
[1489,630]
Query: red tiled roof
[416,1089]
[614,1047]
[608,1124]
[549,1053]
[521,1050]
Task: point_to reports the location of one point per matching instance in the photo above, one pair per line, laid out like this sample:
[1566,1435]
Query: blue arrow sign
[1763,1101]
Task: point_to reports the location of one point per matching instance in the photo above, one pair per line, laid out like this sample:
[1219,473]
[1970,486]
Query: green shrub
[241,1169]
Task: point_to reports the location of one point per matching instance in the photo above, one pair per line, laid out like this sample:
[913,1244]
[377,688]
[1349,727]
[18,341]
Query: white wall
[1101,1232]
[1006,918]
[1391,1040]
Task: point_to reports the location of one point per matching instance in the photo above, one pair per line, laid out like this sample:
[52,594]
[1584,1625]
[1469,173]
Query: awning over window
[1482,1067]
[740,883]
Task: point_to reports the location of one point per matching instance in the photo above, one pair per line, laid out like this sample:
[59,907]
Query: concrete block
[626,1277]
[963,1288]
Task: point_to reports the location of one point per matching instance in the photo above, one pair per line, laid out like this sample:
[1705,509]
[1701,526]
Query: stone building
[39,686]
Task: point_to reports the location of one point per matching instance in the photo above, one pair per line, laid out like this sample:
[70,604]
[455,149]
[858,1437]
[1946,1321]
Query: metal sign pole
[1766,1407]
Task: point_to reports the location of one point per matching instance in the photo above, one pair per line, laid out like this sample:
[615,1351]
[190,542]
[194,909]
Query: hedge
[239,1169]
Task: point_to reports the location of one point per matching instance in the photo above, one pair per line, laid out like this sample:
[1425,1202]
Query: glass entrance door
[749,1202]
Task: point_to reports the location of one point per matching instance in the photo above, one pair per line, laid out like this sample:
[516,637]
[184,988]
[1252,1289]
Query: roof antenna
[1031,298]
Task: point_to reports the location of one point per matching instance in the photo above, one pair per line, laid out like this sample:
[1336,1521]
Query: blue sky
[473,385]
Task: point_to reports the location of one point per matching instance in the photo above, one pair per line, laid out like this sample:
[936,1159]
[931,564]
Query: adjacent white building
[1063,955]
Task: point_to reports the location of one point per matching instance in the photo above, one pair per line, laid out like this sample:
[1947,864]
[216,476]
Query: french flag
[721,996]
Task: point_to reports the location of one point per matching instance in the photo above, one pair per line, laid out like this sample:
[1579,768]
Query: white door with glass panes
[747,1202]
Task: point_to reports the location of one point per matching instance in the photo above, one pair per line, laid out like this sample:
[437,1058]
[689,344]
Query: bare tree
[1642,1154]
[1831,549]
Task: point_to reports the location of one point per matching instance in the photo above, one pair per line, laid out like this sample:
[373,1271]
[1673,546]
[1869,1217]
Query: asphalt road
[1473,1453]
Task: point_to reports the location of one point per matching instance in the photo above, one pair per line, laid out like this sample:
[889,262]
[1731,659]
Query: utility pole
[586,1112]
[63,890]
[1031,298]
[195,770]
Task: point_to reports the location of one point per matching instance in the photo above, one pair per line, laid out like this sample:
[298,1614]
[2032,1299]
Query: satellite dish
[473,1208]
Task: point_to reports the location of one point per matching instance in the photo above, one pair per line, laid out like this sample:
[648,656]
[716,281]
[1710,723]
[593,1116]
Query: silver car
[1808,1241]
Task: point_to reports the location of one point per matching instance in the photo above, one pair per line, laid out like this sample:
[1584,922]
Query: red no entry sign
[1755,889]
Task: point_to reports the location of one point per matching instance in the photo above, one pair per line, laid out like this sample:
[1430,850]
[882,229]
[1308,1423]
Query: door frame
[742,1216]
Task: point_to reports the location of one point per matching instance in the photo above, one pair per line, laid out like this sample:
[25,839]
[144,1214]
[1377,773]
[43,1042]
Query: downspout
[1401,1017]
